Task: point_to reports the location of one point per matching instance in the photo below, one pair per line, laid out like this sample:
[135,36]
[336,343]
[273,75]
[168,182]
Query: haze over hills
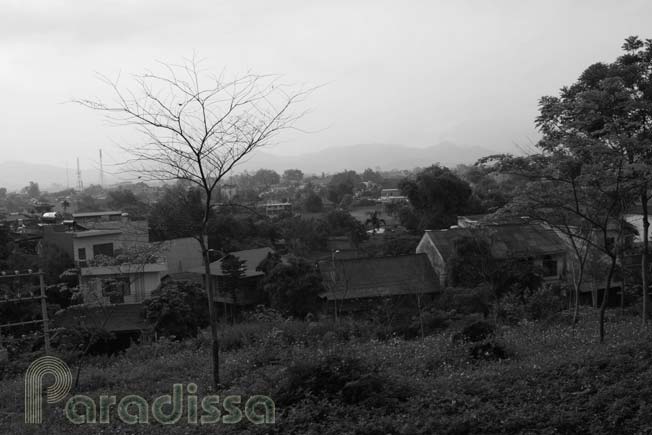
[15,175]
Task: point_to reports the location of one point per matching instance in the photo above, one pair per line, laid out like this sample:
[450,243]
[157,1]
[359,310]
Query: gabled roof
[96,233]
[252,258]
[521,239]
[97,214]
[378,277]
[113,318]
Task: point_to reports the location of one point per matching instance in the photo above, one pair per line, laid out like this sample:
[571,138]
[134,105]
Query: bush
[541,304]
[488,351]
[177,309]
[465,300]
[336,377]
[475,332]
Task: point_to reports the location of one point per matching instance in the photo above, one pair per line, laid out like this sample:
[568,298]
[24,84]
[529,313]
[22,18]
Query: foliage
[177,214]
[177,309]
[437,196]
[293,288]
[53,262]
[264,178]
[313,203]
[473,264]
[341,184]
[233,269]
[126,201]
[341,223]
[292,175]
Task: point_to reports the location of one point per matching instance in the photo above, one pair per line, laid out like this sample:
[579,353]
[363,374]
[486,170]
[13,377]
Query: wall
[427,247]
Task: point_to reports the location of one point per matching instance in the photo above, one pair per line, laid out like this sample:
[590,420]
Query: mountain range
[15,175]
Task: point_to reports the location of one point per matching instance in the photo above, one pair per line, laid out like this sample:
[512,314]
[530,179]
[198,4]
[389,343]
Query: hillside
[338,379]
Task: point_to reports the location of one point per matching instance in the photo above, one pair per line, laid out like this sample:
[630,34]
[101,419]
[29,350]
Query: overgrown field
[536,377]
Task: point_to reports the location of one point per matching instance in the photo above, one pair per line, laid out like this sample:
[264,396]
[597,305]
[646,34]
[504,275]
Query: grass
[332,378]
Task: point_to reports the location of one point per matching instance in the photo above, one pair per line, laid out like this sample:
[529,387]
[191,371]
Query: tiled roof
[378,277]
[506,240]
[252,258]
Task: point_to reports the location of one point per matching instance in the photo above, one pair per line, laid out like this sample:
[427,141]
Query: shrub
[337,377]
[465,300]
[475,331]
[488,351]
[177,308]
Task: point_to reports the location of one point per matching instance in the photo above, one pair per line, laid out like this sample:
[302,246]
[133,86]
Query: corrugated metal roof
[378,277]
[506,240]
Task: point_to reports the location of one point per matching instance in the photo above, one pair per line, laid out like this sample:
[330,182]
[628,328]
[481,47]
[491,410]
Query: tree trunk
[211,311]
[577,286]
[644,256]
[605,297]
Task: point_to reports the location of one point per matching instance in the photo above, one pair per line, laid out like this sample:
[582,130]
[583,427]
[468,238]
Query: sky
[415,73]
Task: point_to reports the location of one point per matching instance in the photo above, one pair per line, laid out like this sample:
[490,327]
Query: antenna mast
[101,170]
[80,183]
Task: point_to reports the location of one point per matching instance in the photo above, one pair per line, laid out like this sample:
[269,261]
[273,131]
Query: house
[364,279]
[528,241]
[247,292]
[98,216]
[275,209]
[391,196]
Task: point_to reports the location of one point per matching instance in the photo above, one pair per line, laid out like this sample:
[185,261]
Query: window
[116,289]
[81,256]
[549,266]
[103,249]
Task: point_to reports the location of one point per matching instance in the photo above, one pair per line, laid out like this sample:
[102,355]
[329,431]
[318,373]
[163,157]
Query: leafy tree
[304,235]
[86,203]
[437,196]
[342,183]
[293,288]
[293,175]
[313,203]
[266,178]
[177,308]
[473,265]
[125,200]
[609,106]
[179,213]
[32,190]
[373,176]
[54,261]
[341,223]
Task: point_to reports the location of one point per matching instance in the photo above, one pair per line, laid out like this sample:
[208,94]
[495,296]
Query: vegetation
[333,378]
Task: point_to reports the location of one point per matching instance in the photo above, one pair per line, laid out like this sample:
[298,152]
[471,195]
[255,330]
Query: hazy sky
[407,72]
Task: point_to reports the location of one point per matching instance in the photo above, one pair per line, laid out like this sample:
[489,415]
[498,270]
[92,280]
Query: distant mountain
[15,175]
[360,157]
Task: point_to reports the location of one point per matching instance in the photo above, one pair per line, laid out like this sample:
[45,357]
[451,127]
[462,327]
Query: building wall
[88,242]
[426,246]
[182,254]
[141,283]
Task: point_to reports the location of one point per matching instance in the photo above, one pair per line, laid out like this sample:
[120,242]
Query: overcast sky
[407,72]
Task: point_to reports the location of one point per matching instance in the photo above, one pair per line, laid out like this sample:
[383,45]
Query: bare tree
[198,127]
